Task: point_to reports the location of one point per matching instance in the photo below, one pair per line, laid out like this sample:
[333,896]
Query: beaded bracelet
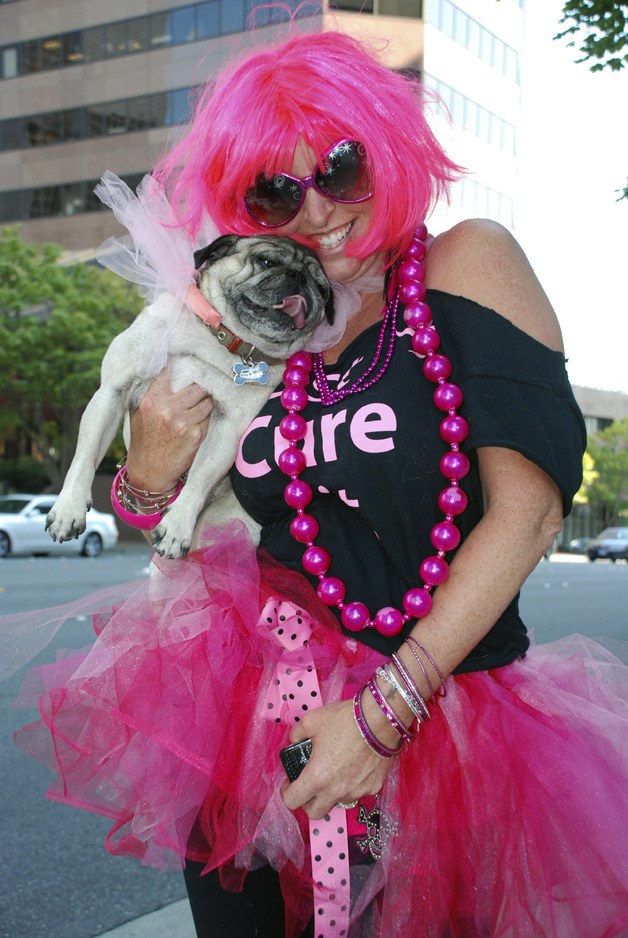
[388,712]
[128,509]
[384,752]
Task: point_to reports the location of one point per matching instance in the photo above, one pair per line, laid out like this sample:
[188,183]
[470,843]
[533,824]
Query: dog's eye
[265,262]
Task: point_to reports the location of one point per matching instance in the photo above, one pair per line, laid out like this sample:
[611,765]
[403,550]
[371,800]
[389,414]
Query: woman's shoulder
[481,260]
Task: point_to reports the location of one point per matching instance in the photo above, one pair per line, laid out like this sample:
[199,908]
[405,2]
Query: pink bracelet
[137,519]
[367,735]
[388,711]
[442,690]
[411,685]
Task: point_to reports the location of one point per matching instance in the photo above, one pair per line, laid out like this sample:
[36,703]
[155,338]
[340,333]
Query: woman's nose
[316,208]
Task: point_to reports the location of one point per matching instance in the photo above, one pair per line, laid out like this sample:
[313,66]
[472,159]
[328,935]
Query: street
[58,881]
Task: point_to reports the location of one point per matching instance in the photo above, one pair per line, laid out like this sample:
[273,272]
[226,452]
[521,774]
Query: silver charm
[379,831]
[250,373]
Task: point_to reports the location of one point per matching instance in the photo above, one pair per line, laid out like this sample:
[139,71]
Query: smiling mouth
[331,241]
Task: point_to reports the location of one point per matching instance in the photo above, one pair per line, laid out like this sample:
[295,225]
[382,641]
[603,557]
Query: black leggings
[256,912]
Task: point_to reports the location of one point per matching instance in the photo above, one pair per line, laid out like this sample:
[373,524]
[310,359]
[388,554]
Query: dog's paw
[67,519]
[170,540]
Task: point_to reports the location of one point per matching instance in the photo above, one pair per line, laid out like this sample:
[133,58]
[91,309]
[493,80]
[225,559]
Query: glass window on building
[400,8]
[232,16]
[183,24]
[159,30]
[32,55]
[12,134]
[353,5]
[53,131]
[178,107]
[93,43]
[208,19]
[8,62]
[137,34]
[73,198]
[74,124]
[33,130]
[73,48]
[115,39]
[156,109]
[12,206]
[94,122]
[115,118]
[51,52]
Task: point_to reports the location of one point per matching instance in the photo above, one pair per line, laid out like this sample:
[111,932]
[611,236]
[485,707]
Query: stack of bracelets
[140,508]
[402,681]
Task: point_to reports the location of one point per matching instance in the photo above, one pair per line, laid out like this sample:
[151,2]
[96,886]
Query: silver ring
[347,807]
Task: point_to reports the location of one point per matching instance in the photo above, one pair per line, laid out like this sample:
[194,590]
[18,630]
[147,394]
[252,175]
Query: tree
[607,485]
[55,325]
[602,29]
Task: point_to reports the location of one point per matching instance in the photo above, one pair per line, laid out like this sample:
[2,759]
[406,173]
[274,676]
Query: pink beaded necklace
[406,287]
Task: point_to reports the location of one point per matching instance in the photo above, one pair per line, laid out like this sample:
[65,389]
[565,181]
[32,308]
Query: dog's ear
[214,251]
[330,312]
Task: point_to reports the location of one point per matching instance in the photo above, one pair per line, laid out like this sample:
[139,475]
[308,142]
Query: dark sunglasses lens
[273,200]
[346,177]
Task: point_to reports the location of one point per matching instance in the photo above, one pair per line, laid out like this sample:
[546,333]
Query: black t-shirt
[373,459]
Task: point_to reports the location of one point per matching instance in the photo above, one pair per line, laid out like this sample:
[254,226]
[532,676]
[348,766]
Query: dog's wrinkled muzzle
[294,306]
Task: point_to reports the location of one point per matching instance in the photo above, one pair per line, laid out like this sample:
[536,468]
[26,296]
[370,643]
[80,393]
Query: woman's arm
[523,514]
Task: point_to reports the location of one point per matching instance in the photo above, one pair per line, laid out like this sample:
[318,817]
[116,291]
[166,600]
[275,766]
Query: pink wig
[319,88]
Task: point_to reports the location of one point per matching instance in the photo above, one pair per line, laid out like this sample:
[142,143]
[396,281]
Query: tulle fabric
[510,806]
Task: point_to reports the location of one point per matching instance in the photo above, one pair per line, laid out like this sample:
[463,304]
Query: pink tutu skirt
[507,817]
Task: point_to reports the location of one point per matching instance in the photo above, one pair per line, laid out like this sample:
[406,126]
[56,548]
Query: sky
[573,156]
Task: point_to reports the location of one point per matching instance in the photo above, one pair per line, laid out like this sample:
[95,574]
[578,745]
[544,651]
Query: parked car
[23,529]
[612,543]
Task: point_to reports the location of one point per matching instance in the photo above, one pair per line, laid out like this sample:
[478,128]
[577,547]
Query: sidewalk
[173,921]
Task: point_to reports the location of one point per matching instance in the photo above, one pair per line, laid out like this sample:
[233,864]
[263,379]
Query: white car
[23,529]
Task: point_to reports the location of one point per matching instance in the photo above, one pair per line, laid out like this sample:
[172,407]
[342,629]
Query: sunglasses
[344,177]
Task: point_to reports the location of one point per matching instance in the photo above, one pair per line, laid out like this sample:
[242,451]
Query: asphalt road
[58,881]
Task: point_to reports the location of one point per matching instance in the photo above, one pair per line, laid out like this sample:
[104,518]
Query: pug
[265,295]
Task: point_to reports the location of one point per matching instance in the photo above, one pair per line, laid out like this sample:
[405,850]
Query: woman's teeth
[327,242]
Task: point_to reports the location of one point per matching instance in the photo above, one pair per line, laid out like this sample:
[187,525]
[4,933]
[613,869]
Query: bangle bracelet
[388,712]
[367,735]
[129,512]
[386,674]
[410,683]
[437,670]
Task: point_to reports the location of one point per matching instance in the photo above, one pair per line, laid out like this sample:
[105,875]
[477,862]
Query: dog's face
[270,291]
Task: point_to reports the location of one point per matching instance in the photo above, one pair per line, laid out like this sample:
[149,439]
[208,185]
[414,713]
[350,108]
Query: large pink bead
[454,465]
[448,396]
[434,570]
[303,359]
[425,340]
[304,528]
[410,270]
[417,314]
[294,398]
[417,602]
[388,621]
[316,560]
[454,429]
[408,292]
[293,427]
[445,536]
[436,367]
[416,249]
[291,461]
[452,501]
[420,232]
[298,494]
[296,377]
[331,591]
[355,617]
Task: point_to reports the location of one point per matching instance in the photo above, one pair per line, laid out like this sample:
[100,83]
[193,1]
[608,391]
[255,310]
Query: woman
[480,826]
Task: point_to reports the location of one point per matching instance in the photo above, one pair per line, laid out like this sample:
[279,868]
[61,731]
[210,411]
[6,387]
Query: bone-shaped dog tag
[255,373]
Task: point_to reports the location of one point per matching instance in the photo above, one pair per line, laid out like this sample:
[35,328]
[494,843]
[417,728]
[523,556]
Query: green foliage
[607,484]
[55,325]
[601,29]
[23,475]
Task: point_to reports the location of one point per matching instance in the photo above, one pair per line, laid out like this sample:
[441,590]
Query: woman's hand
[342,767]
[166,431]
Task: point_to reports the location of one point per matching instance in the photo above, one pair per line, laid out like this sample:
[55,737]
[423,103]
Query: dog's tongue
[296,307]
